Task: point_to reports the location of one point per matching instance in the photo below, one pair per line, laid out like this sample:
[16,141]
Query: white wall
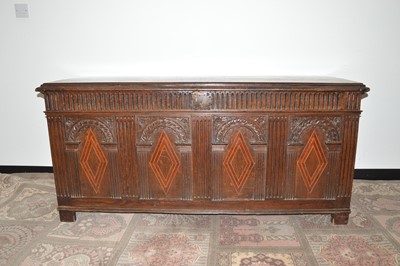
[353,39]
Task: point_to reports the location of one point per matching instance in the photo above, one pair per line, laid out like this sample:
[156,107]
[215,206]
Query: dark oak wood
[67,216]
[233,145]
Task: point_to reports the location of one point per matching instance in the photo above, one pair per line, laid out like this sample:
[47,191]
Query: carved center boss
[254,146]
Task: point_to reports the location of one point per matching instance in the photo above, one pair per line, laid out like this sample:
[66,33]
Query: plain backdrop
[352,39]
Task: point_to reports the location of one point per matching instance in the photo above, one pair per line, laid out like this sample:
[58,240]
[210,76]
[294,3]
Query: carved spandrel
[253,128]
[331,126]
[103,128]
[149,127]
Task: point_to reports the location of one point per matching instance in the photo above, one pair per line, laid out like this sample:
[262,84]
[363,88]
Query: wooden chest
[211,146]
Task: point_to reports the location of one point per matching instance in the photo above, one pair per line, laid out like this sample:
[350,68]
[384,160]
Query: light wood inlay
[312,162]
[238,162]
[165,162]
[93,160]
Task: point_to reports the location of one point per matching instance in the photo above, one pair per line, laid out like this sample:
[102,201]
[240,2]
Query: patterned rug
[31,234]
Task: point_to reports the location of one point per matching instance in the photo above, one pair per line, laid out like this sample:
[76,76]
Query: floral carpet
[31,234]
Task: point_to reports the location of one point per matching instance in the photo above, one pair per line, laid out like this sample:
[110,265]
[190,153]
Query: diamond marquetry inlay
[165,162]
[93,160]
[239,162]
[312,162]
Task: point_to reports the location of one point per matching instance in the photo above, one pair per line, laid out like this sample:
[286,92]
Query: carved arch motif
[177,126]
[226,126]
[330,126]
[103,127]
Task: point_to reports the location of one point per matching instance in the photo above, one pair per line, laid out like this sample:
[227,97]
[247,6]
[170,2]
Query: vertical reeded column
[292,155]
[73,172]
[333,166]
[217,158]
[276,161]
[201,148]
[57,141]
[259,188]
[143,171]
[115,178]
[187,180]
[348,155]
[127,161]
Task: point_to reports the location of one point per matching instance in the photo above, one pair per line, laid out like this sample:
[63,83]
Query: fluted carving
[201,147]
[350,134]
[277,158]
[250,98]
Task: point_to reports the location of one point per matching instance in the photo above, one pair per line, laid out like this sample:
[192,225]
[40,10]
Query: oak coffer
[204,146]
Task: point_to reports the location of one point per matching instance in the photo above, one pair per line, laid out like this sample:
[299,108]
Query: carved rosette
[102,127]
[254,128]
[331,126]
[149,127]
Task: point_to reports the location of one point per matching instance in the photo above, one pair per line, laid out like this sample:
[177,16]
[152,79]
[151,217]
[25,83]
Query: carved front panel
[313,151]
[165,167]
[239,147]
[92,155]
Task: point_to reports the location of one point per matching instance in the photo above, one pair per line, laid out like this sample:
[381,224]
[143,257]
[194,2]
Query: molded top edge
[266,82]
[212,79]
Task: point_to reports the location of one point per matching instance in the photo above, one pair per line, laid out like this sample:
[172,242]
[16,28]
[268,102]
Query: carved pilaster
[187,180]
[74,172]
[143,159]
[276,161]
[217,157]
[350,134]
[114,177]
[201,147]
[333,167]
[127,159]
[260,169]
[293,153]
[57,142]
